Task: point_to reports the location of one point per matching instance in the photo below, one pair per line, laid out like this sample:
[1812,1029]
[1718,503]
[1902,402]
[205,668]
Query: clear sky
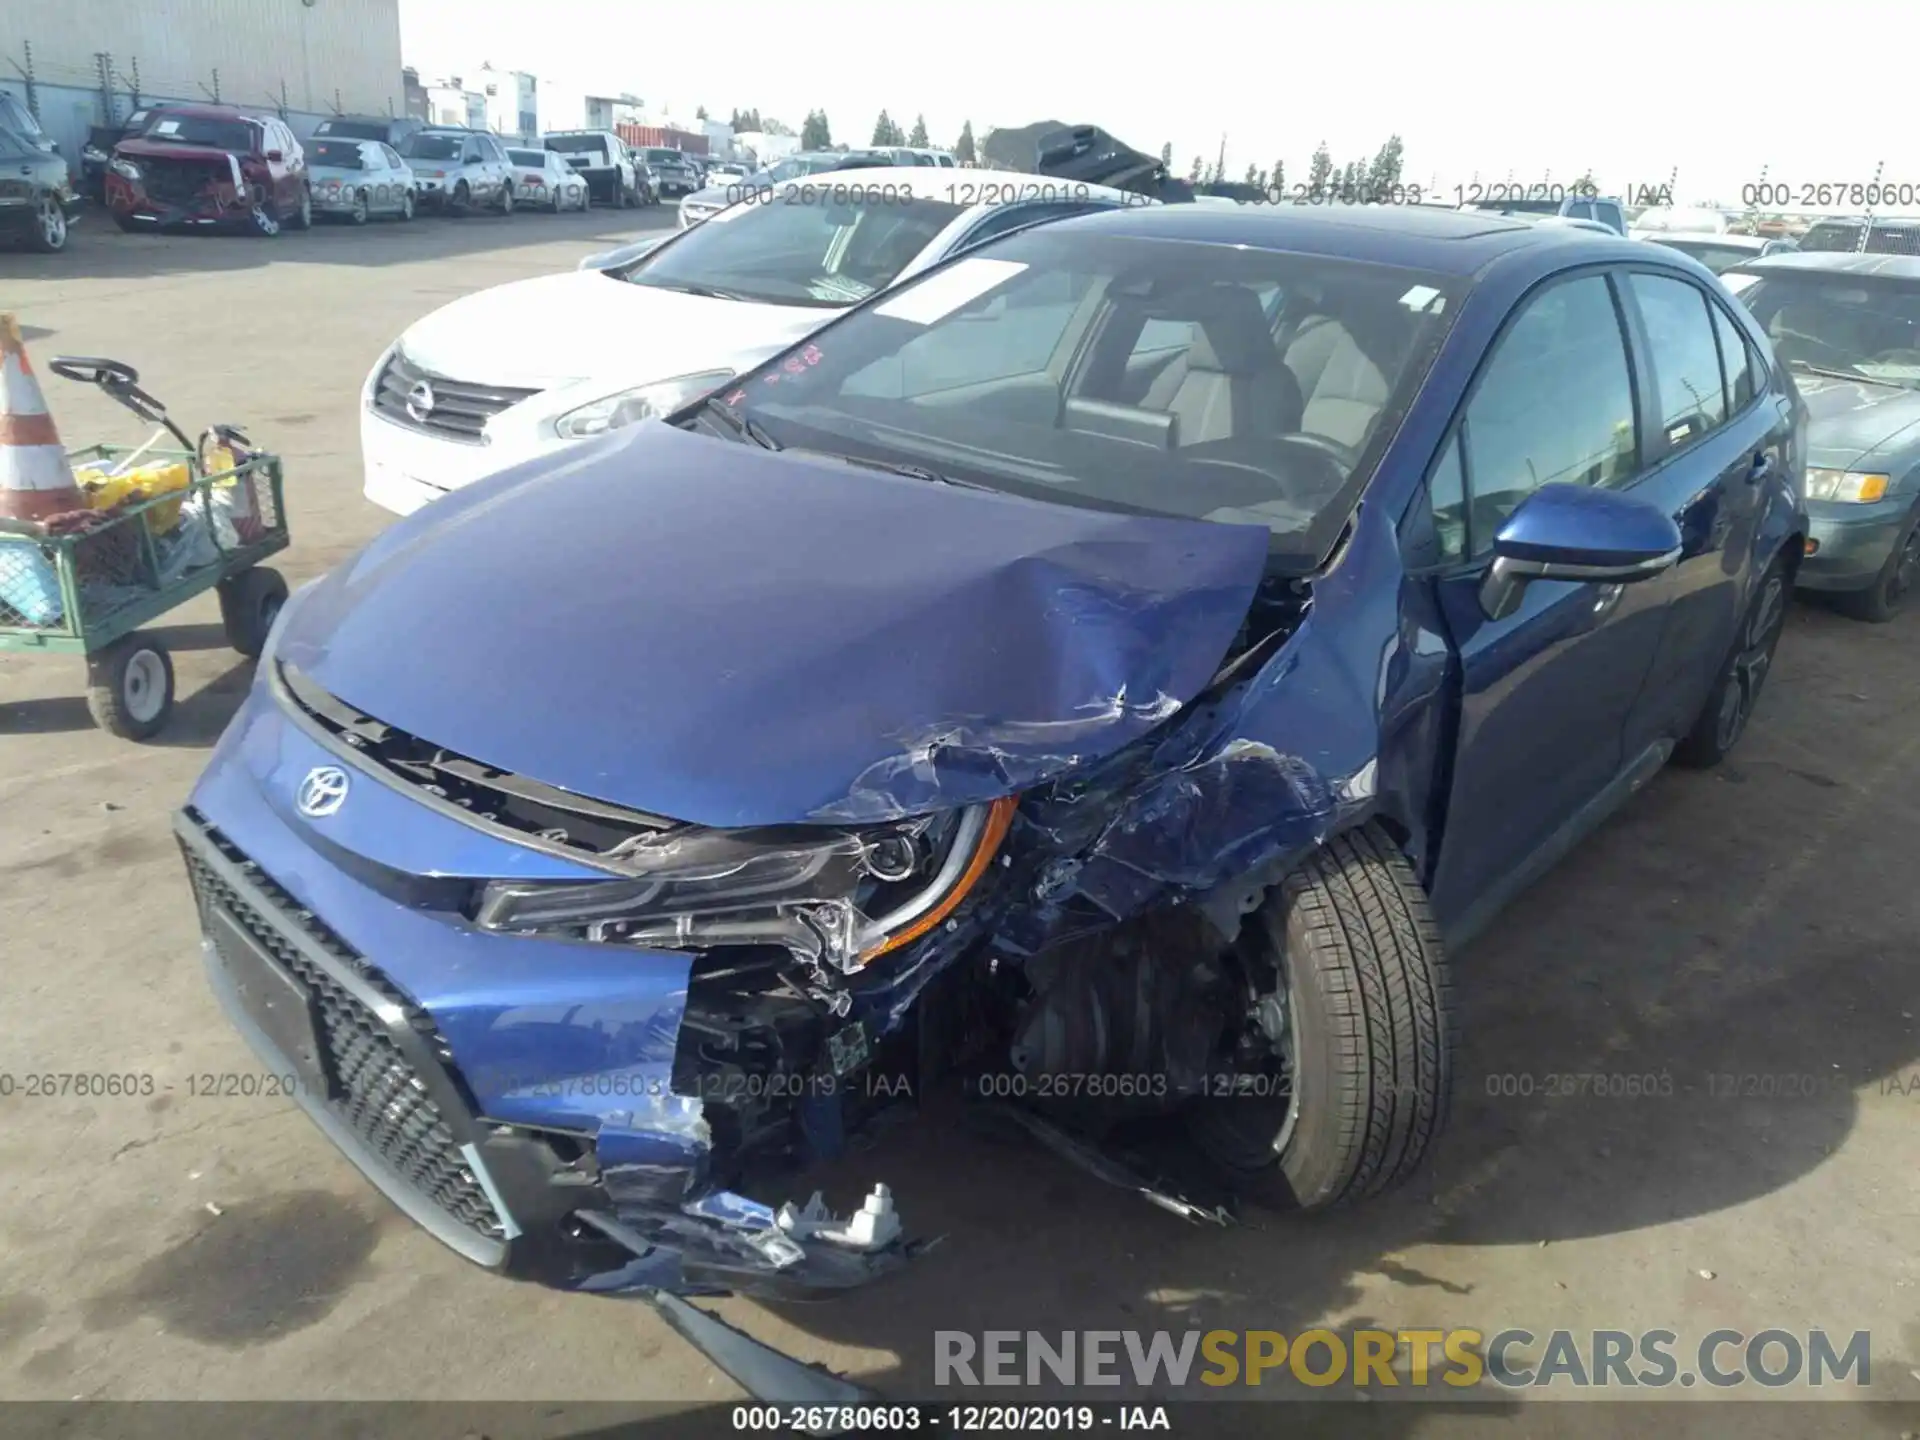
[1629,90]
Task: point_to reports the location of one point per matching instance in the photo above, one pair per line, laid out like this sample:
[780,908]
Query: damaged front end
[575,1038]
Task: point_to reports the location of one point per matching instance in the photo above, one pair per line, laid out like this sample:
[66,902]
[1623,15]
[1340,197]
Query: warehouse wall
[327,53]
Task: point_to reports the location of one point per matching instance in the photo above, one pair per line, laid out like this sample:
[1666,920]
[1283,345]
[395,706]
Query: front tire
[49,233]
[130,687]
[302,219]
[1363,1004]
[1743,673]
[1888,594]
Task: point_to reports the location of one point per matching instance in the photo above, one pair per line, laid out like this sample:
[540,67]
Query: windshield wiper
[705,292]
[912,472]
[744,424]
[1832,374]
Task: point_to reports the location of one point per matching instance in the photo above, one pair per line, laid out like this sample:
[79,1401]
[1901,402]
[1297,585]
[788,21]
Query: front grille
[180,182]
[376,1090]
[460,409]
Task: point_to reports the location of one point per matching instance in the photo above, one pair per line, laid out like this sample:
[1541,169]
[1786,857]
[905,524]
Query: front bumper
[511,1094]
[1852,542]
[404,469]
[218,204]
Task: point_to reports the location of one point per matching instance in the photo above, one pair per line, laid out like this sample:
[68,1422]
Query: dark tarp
[1083,153]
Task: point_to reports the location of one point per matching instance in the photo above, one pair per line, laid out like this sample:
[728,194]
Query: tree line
[1376,175]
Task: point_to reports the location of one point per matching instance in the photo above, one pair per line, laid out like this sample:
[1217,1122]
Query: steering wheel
[92,370]
[1341,455]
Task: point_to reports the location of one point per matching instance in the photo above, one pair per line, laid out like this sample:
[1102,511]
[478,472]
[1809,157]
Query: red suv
[210,165]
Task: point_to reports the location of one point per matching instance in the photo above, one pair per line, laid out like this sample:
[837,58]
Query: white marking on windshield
[938,296]
[1421,298]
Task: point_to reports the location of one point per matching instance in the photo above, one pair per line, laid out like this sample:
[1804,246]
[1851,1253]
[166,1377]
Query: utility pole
[26,74]
[103,67]
[1220,164]
[1873,191]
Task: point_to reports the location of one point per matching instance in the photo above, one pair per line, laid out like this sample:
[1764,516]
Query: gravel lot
[1758,922]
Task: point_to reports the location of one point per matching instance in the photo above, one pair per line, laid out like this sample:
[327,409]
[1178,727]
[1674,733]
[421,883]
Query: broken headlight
[839,897]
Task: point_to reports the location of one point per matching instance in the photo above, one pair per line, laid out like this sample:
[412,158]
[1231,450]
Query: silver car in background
[545,181]
[459,170]
[359,179]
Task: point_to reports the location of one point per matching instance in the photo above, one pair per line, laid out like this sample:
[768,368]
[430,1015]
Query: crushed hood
[725,635]
[580,324]
[171,150]
[1849,421]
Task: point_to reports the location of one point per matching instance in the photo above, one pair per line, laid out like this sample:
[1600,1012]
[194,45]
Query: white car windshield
[794,247]
[1119,372]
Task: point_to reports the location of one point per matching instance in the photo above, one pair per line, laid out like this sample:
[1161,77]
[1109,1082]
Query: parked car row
[190,166]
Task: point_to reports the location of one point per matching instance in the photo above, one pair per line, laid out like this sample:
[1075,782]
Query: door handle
[1761,468]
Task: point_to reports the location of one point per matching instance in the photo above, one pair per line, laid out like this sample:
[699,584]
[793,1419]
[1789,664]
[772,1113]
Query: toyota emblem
[420,402]
[322,792]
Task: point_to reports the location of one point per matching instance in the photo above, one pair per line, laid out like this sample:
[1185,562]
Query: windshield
[1863,325]
[216,133]
[799,248]
[578,145]
[1713,254]
[353,129]
[433,147]
[340,154]
[1126,374]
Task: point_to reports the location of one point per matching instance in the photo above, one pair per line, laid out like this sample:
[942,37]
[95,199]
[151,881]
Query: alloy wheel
[53,225]
[1752,659]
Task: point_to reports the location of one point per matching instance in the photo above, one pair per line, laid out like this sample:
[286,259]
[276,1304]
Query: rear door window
[1736,359]
[1686,356]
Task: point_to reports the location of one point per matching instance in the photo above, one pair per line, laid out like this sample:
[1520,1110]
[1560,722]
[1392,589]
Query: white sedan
[504,374]
[545,181]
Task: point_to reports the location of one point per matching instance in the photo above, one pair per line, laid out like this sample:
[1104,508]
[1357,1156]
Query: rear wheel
[506,199]
[1342,1082]
[249,604]
[1888,594]
[461,200]
[125,222]
[130,687]
[1723,719]
[302,217]
[49,233]
[406,205]
[362,210]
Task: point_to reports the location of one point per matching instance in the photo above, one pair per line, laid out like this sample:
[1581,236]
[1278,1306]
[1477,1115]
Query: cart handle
[120,381]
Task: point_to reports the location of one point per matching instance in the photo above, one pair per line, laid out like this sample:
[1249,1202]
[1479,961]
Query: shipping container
[642,135]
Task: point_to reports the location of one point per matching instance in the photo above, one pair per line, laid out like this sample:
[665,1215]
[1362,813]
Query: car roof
[1440,240]
[934,183]
[1837,262]
[207,112]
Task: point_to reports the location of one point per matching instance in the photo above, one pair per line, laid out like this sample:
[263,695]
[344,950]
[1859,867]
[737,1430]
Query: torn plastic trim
[768,1375]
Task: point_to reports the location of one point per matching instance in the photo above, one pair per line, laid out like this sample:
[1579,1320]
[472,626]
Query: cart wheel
[249,602]
[130,687]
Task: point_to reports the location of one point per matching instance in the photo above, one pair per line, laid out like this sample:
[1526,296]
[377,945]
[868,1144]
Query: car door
[283,168]
[377,182]
[1544,692]
[497,158]
[1715,436]
[399,176]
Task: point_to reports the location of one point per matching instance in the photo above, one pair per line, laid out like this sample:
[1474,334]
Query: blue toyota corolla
[1114,669]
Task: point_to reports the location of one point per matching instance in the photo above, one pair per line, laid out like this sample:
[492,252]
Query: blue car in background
[1115,668]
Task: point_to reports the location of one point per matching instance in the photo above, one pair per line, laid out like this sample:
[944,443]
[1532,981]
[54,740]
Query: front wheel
[49,233]
[1888,594]
[1347,1062]
[130,687]
[302,218]
[1736,690]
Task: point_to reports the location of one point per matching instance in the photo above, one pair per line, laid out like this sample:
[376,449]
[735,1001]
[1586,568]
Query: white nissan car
[504,374]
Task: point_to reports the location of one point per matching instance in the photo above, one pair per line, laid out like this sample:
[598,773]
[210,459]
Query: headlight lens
[126,169]
[833,896]
[643,402]
[1858,487]
[93,153]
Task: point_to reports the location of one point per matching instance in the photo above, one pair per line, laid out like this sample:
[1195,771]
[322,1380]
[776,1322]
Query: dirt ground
[1755,925]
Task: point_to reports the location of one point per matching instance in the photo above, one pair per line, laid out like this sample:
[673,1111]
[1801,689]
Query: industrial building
[80,63]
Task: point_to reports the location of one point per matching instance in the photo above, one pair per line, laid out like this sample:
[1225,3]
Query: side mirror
[1576,532]
[276,156]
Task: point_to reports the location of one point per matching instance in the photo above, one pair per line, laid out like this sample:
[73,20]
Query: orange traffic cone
[35,479]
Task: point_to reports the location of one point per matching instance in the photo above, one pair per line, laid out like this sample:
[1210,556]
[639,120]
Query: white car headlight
[1855,487]
[643,402]
[125,168]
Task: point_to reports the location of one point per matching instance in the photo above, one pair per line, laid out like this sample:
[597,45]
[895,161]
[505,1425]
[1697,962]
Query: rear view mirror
[1579,533]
